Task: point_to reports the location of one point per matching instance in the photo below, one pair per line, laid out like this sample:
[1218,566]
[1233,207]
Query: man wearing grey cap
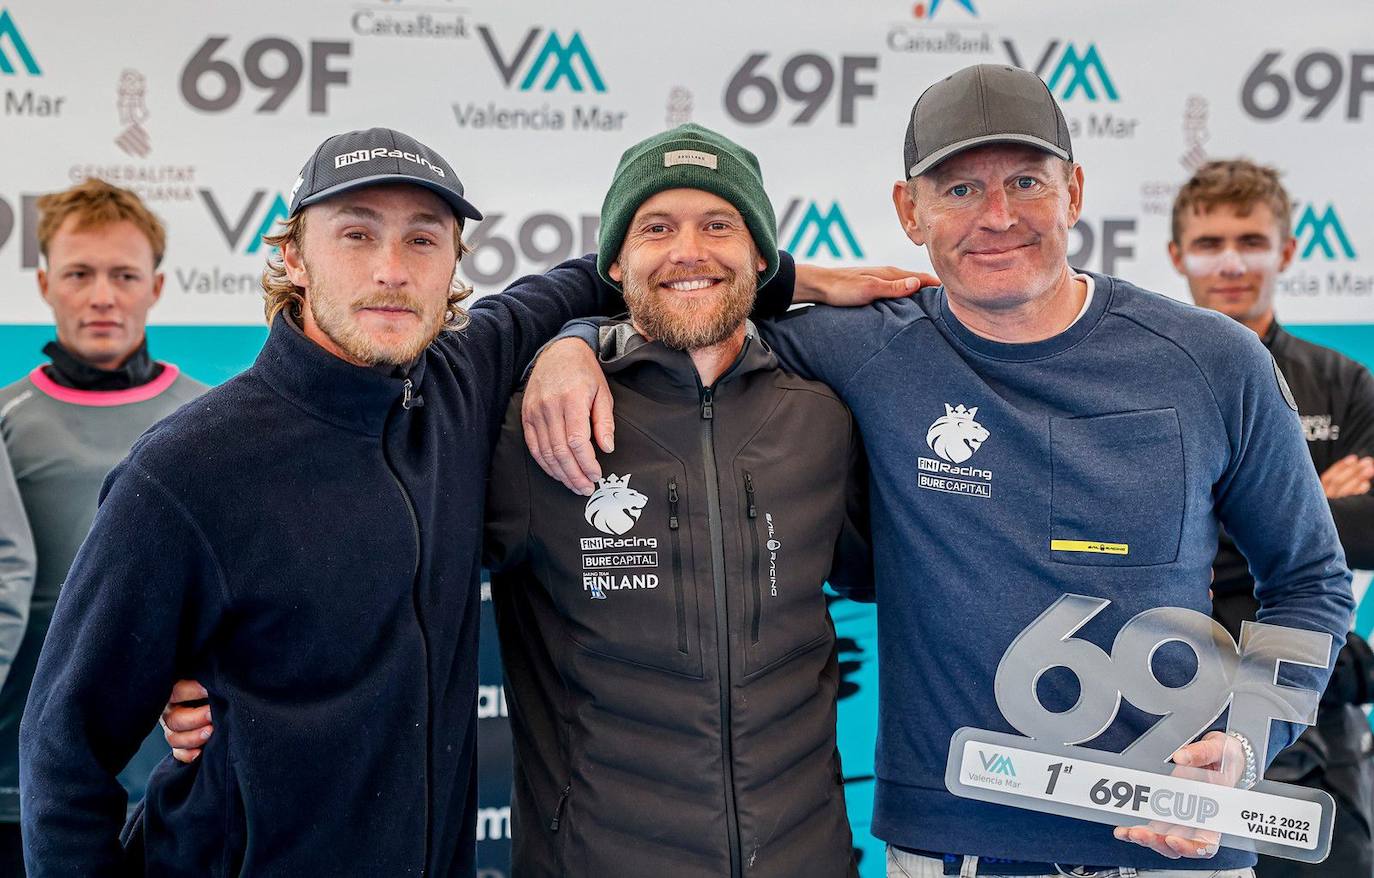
[1033,431]
[305,541]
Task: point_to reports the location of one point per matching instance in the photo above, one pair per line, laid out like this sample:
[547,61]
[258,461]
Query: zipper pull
[672,504]
[749,491]
[405,395]
[707,412]
[558,811]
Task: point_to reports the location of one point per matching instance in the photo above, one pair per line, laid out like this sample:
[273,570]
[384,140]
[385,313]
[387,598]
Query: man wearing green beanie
[670,663]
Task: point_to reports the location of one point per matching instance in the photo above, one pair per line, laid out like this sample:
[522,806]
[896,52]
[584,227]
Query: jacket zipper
[677,567]
[406,400]
[752,510]
[558,809]
[708,447]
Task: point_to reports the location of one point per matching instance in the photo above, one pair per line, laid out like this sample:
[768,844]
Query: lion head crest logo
[956,435]
[614,507]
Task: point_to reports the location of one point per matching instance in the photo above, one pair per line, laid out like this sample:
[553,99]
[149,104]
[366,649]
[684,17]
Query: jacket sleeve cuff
[775,297]
[586,328]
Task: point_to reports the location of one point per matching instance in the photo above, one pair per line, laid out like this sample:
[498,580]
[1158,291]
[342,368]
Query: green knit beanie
[687,157]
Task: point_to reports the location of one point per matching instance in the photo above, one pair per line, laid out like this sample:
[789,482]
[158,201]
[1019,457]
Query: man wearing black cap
[305,542]
[1034,431]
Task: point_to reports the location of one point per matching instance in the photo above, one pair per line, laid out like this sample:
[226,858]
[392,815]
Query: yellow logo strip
[1092,546]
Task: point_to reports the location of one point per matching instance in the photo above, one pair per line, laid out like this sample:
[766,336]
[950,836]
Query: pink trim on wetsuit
[141,393]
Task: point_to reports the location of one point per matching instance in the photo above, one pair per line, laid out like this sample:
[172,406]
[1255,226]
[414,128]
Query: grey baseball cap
[357,159]
[979,105]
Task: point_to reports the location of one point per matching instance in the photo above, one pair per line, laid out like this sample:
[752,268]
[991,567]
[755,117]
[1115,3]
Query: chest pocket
[626,584]
[1116,489]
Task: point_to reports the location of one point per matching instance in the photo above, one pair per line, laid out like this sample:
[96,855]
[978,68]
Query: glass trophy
[1226,804]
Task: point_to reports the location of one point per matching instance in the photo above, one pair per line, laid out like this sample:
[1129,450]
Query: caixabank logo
[941,27]
[550,72]
[17,60]
[1079,77]
[811,228]
[1326,249]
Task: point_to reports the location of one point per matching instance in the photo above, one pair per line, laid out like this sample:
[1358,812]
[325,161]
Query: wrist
[810,284]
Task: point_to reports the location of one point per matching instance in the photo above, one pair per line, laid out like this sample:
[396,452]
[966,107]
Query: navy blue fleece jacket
[304,540]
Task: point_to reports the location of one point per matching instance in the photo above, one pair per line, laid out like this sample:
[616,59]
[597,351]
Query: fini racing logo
[614,506]
[343,160]
[955,436]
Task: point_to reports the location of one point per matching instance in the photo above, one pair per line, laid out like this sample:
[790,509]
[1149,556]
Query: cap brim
[954,149]
[461,206]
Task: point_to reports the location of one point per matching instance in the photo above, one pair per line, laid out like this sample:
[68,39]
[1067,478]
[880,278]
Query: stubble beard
[690,324]
[338,320]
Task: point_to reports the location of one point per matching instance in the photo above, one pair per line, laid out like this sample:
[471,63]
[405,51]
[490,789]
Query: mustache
[399,302]
[668,276]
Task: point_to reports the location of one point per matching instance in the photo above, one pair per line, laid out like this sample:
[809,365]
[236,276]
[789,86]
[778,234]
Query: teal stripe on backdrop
[206,353]
[213,353]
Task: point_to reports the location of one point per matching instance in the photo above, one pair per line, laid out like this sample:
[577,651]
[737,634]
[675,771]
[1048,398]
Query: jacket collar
[355,398]
[66,369]
[653,367]
[1275,335]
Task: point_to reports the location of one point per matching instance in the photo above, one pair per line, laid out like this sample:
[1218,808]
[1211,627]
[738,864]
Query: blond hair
[1239,183]
[279,293]
[96,203]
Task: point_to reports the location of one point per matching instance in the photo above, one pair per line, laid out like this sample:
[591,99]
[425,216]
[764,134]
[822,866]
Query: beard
[689,324]
[338,319]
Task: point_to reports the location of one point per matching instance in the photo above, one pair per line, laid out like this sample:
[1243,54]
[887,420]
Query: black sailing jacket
[671,667]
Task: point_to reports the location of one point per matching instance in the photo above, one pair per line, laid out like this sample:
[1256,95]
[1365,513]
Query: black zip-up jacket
[305,540]
[1335,399]
[670,664]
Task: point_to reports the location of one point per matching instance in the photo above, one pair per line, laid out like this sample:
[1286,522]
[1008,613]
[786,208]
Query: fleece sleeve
[18,566]
[1270,500]
[141,600]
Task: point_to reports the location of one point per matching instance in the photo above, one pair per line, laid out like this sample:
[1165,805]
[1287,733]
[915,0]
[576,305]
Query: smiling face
[100,283]
[1232,260]
[995,221]
[689,268]
[376,265]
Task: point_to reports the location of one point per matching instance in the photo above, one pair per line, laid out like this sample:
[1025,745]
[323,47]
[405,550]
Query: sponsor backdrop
[209,112]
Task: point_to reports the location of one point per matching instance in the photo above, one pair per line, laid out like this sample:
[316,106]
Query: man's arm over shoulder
[830,344]
[142,598]
[509,327]
[1354,515]
[18,566]
[1271,502]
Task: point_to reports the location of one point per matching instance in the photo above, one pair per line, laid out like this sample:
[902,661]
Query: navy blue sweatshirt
[1147,423]
[307,546]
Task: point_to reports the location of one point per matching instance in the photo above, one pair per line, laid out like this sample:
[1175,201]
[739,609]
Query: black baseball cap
[357,159]
[979,105]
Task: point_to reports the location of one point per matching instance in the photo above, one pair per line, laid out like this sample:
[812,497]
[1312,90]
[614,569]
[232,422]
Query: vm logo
[921,10]
[555,56]
[1072,71]
[1322,232]
[996,763]
[12,46]
[816,229]
[232,232]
